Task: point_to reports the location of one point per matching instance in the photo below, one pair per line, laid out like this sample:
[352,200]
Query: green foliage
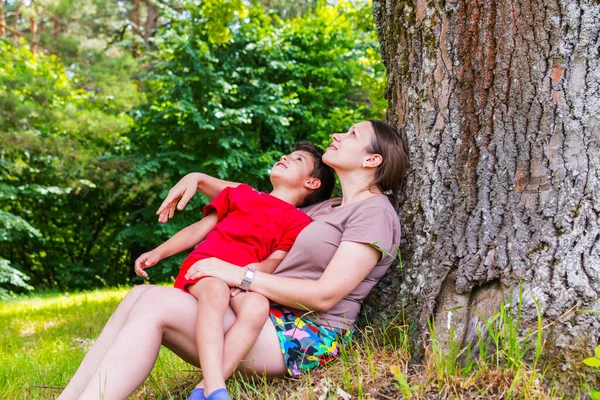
[217,16]
[593,361]
[231,109]
[401,382]
[11,278]
[92,141]
[13,228]
[58,172]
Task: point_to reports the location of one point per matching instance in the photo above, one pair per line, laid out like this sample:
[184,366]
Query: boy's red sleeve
[298,221]
[220,204]
[227,198]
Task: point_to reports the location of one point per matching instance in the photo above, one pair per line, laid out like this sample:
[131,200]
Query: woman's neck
[356,186]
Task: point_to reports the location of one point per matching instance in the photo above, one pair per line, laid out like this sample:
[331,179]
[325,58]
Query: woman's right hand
[146,260]
[178,196]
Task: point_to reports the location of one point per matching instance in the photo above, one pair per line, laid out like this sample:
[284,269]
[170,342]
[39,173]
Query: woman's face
[348,150]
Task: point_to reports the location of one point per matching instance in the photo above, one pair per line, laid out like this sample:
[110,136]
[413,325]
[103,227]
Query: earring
[364,165]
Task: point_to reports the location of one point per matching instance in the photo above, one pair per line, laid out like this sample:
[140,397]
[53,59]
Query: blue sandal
[197,394]
[219,394]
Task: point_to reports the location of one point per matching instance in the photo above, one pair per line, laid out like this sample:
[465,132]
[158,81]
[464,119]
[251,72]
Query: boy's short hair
[321,171]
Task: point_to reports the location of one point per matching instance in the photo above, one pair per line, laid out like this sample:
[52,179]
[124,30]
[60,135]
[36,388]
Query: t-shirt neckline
[336,205]
[276,198]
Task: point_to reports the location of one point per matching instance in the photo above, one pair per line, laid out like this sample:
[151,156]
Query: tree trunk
[136,28]
[150,26]
[55,27]
[500,102]
[2,20]
[16,24]
[33,29]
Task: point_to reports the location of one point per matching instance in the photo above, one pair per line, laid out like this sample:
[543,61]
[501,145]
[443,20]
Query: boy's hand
[146,260]
[178,197]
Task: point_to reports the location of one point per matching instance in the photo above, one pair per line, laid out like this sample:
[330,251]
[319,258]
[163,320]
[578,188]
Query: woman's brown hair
[393,148]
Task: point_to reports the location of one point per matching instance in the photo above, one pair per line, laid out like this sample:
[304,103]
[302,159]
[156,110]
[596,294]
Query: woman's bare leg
[95,354]
[213,300]
[133,352]
[173,313]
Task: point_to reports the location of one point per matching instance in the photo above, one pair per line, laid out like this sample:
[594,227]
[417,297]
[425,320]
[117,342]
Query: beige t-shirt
[372,221]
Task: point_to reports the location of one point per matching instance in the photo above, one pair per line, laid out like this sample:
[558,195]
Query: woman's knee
[135,293]
[161,305]
[128,302]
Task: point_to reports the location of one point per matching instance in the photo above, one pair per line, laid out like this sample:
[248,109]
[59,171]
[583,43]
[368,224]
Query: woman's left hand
[229,273]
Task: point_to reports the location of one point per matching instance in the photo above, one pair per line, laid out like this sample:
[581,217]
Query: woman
[330,270]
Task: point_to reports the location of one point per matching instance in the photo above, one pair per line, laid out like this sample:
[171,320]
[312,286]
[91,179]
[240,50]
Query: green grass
[45,337]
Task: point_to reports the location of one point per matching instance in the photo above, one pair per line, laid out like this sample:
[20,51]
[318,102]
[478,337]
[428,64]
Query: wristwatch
[247,281]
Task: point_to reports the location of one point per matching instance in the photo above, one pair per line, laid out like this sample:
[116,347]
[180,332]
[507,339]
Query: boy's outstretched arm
[184,190]
[182,240]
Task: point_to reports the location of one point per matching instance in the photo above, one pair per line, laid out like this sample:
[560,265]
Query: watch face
[247,278]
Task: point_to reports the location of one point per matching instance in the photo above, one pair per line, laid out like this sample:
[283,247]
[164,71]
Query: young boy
[246,228]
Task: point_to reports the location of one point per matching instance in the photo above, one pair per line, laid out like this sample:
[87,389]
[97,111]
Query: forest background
[104,105]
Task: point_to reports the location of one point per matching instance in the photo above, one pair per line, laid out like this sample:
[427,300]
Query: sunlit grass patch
[44,338]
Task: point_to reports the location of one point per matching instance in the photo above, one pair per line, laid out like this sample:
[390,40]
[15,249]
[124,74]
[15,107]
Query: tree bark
[16,23]
[500,102]
[33,28]
[136,28]
[2,20]
[56,27]
[151,18]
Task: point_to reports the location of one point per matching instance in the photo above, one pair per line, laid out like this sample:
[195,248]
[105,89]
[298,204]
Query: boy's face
[293,170]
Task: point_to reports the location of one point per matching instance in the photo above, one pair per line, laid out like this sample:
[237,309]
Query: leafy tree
[89,150]
[60,175]
[231,109]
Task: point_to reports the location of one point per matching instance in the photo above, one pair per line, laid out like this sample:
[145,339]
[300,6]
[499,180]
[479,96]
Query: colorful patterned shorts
[304,343]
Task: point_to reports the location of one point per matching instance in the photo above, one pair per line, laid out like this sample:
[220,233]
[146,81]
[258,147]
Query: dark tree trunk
[55,27]
[150,25]
[2,20]
[33,28]
[136,28]
[500,101]
[16,24]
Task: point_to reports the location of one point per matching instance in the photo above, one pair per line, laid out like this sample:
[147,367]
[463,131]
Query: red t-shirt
[251,226]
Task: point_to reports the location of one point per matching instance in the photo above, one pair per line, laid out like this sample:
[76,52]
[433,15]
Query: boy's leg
[252,310]
[213,300]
